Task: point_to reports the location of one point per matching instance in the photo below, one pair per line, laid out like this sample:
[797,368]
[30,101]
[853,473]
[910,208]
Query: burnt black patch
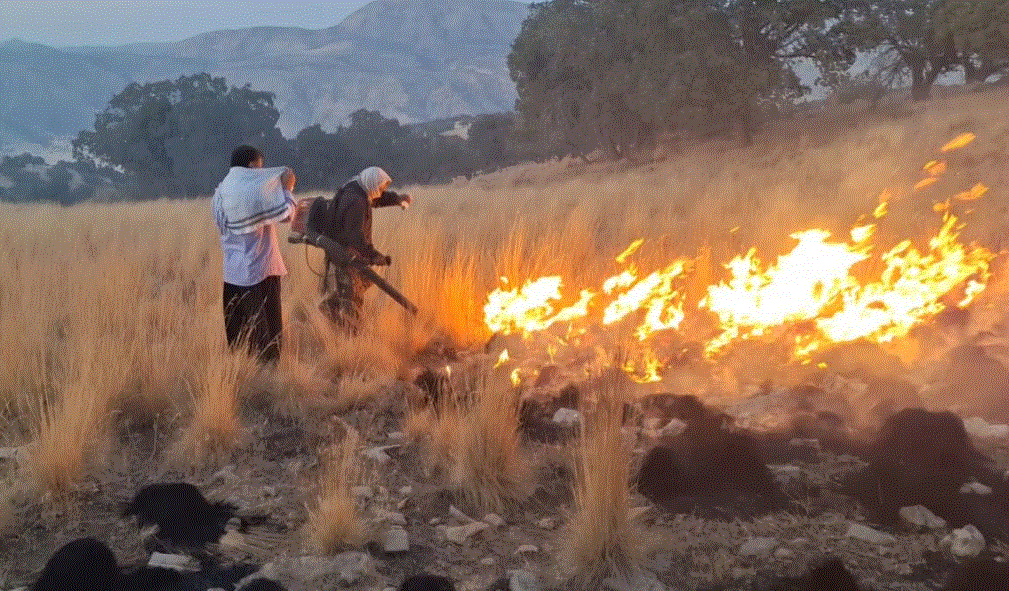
[184,517]
[979,575]
[712,470]
[830,575]
[427,583]
[924,458]
[81,564]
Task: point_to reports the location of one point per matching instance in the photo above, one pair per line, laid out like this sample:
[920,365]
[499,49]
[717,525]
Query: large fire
[823,291]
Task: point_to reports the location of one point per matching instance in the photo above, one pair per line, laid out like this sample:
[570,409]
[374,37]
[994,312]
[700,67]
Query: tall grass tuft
[599,538]
[333,523]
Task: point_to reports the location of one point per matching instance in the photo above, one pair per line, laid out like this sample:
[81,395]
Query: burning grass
[333,523]
[132,291]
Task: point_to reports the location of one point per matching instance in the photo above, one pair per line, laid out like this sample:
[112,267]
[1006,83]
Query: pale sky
[63,23]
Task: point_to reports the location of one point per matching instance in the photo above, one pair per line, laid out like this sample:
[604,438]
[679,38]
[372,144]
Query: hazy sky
[64,23]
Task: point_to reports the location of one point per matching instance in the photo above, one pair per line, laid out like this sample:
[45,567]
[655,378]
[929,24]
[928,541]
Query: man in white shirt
[253,266]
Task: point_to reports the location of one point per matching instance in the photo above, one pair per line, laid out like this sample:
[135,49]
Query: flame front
[823,291]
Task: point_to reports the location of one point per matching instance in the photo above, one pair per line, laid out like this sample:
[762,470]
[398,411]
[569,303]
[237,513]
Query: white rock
[377,455]
[434,521]
[975,488]
[363,491]
[867,534]
[396,436]
[455,512]
[784,553]
[919,517]
[568,417]
[640,580]
[547,523]
[651,423]
[488,561]
[462,533]
[673,428]
[493,520]
[225,474]
[390,517]
[177,562]
[348,567]
[526,549]
[981,429]
[758,547]
[523,580]
[965,542]
[406,491]
[395,539]
[799,542]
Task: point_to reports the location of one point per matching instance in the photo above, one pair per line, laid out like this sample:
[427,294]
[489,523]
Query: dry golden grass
[599,539]
[489,468]
[132,291]
[334,524]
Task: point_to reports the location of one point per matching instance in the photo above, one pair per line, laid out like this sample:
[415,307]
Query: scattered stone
[830,575]
[639,580]
[269,491]
[867,534]
[918,517]
[225,474]
[462,533]
[784,553]
[966,542]
[406,491]
[363,491]
[488,561]
[177,562]
[523,580]
[758,547]
[347,567]
[568,417]
[378,455]
[493,520]
[903,569]
[395,539]
[396,436]
[799,542]
[547,523]
[526,549]
[975,488]
[674,428]
[980,428]
[434,521]
[455,512]
[390,517]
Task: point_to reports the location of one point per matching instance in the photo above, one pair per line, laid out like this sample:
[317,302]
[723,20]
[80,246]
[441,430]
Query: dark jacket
[350,219]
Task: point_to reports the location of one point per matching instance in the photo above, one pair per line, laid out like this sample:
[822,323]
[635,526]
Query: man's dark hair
[245,155]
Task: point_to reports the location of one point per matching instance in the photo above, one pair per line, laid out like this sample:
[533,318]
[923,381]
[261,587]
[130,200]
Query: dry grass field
[112,328]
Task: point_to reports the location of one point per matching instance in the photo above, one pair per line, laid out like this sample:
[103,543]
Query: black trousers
[343,305]
[253,313]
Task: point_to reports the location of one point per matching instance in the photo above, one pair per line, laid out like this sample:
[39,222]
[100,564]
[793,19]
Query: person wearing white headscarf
[348,222]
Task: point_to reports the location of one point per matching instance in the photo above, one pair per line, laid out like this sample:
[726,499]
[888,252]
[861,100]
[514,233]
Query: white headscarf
[371,180]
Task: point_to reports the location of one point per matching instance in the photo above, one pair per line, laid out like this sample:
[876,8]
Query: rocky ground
[418,528]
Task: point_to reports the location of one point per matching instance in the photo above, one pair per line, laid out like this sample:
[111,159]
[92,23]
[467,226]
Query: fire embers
[711,468]
[926,458]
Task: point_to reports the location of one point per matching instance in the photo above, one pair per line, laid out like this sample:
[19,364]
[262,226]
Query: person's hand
[288,179]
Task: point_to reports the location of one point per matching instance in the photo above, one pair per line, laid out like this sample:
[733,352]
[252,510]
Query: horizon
[118,22]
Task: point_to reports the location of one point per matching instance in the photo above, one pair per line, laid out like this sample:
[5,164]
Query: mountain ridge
[415,60]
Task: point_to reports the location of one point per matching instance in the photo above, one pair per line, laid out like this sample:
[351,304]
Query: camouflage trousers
[343,304]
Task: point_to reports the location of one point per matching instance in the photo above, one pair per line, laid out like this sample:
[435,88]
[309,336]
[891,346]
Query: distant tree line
[616,74]
[173,139]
